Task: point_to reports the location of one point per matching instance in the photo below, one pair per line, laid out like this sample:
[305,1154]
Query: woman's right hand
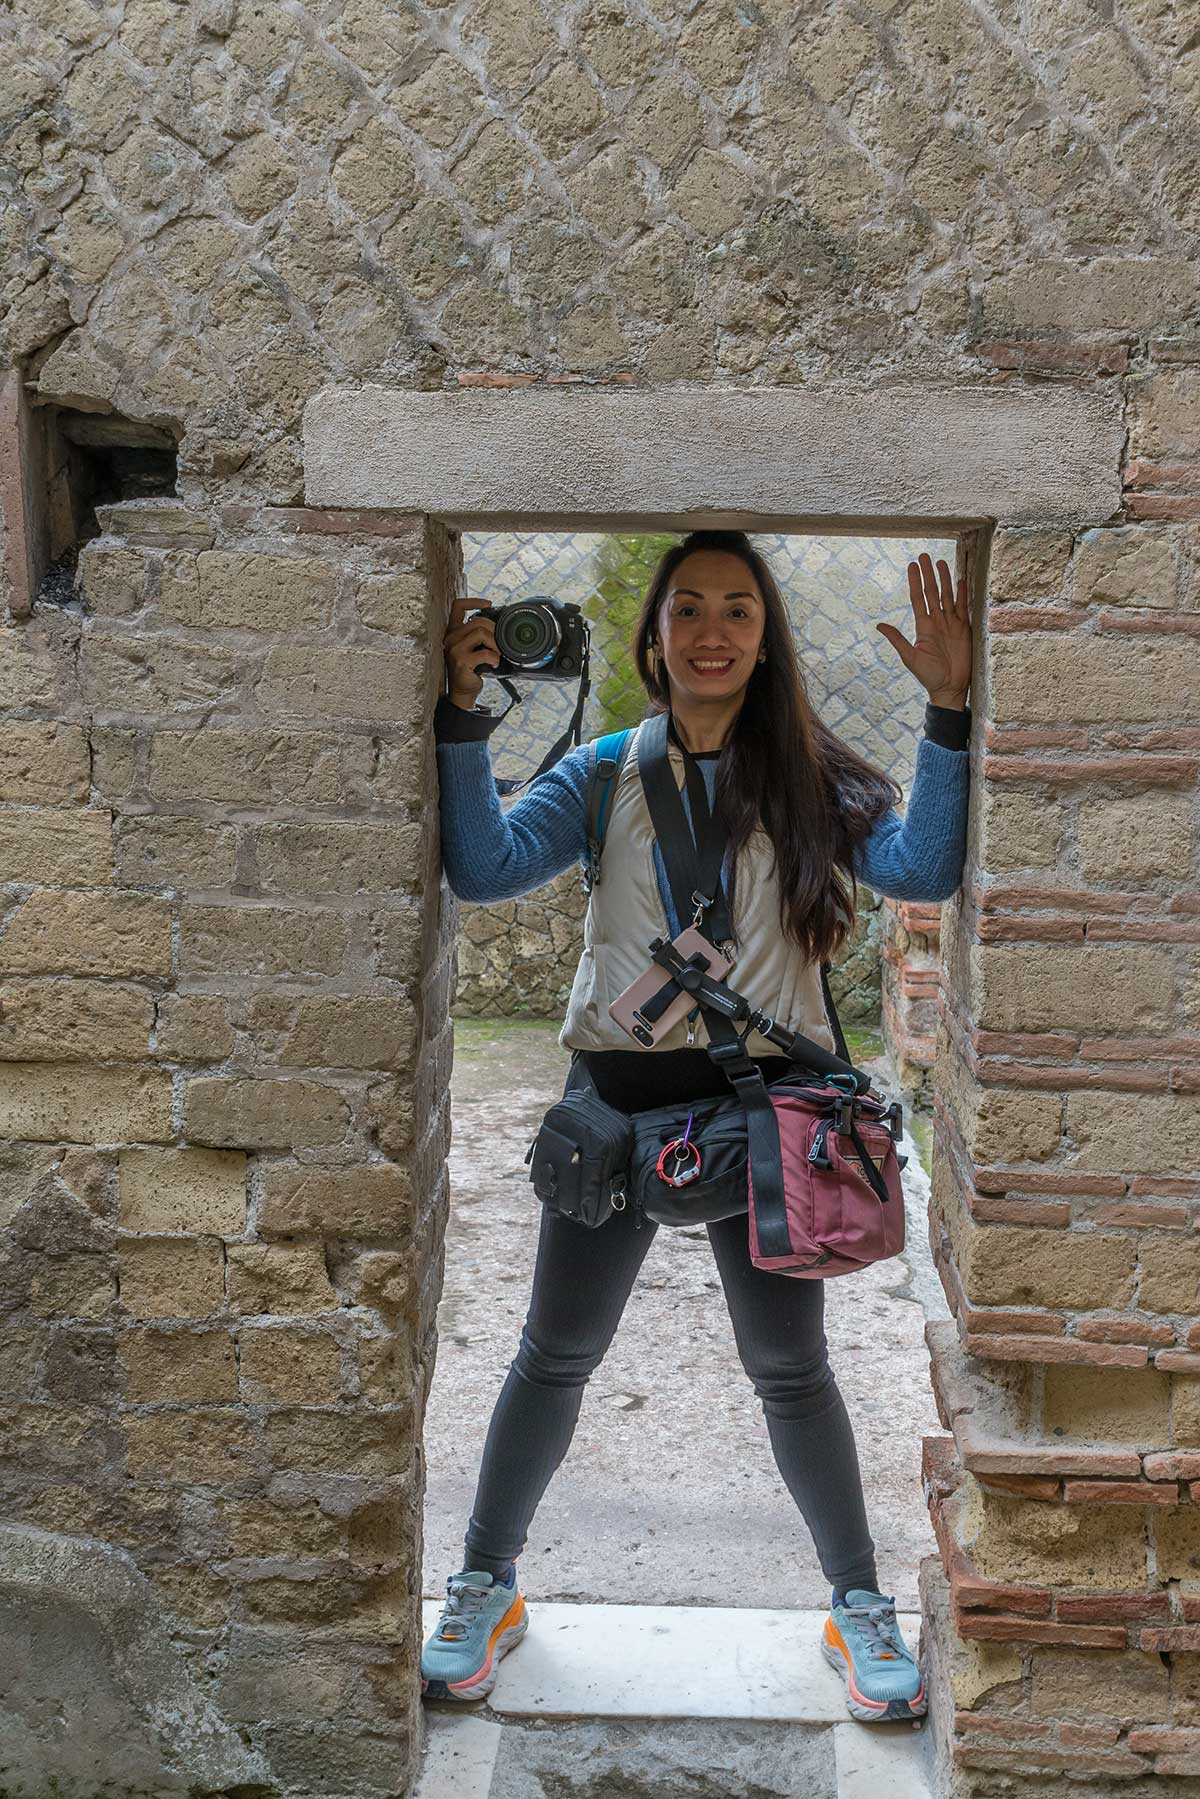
[466,646]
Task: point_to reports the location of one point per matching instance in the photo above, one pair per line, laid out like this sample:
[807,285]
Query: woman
[806,818]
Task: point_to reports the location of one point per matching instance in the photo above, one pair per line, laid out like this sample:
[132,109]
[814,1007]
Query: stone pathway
[670,1494]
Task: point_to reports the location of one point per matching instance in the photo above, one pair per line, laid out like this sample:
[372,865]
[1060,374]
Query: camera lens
[527,635]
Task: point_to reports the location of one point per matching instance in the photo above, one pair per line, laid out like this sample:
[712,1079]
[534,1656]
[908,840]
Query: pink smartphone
[626,1008]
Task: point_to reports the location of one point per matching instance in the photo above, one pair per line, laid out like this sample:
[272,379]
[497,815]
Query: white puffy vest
[625,911]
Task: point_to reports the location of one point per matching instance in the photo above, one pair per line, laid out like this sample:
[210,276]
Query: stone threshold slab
[670,1661]
[473,1757]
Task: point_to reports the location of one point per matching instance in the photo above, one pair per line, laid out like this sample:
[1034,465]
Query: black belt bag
[579,1160]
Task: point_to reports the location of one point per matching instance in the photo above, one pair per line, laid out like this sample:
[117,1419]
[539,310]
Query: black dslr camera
[540,639]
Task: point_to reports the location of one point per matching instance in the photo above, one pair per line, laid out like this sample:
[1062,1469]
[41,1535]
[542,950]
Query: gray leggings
[581,1282]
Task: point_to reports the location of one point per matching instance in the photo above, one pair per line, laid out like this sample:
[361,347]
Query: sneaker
[862,1641]
[481,1621]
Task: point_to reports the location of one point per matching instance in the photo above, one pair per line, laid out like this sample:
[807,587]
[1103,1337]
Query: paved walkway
[669,1495]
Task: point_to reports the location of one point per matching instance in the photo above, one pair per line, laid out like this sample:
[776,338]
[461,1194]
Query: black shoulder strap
[692,853]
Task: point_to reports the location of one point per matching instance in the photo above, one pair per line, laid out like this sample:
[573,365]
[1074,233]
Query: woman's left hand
[941,656]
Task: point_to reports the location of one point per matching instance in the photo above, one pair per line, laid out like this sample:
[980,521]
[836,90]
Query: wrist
[954,702]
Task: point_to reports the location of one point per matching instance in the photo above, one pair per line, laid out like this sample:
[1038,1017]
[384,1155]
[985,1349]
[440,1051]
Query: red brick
[1172,1464]
[1031,1761]
[1014,616]
[1113,1608]
[1033,353]
[1137,1214]
[975,1594]
[1091,1464]
[1157,930]
[1114,618]
[1178,1636]
[1147,771]
[1177,1764]
[1178,1361]
[1088,1736]
[1034,737]
[1029,930]
[1120,1492]
[1057,1349]
[495,380]
[1160,505]
[1025,1486]
[1163,1186]
[1002,1724]
[1048,1324]
[1024,1044]
[1193,1338]
[1050,1180]
[1123,1330]
[1100,1049]
[1162,1740]
[1037,1630]
[987,1210]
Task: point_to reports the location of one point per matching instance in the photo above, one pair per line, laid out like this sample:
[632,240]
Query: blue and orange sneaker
[862,1641]
[482,1619]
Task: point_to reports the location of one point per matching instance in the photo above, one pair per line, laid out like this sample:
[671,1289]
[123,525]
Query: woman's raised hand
[466,645]
[941,656]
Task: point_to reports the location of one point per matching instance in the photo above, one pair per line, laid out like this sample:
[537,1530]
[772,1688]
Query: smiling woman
[804,817]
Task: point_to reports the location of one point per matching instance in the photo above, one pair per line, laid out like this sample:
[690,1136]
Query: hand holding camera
[538,639]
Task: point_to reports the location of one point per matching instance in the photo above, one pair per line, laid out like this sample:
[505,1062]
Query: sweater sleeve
[492,854]
[920,856]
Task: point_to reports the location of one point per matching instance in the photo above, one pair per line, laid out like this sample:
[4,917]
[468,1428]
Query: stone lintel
[861,460]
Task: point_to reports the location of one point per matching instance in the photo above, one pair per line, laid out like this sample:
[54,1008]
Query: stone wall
[225,943]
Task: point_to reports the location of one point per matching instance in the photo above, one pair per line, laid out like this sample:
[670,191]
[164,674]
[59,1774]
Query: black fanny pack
[579,1160]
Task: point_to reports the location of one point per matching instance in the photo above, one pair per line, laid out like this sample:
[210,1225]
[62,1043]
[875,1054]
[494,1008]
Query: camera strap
[570,739]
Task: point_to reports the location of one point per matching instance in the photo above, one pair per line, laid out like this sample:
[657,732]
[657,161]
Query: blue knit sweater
[492,854]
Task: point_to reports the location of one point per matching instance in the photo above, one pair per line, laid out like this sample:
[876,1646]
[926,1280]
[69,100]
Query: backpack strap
[606,758]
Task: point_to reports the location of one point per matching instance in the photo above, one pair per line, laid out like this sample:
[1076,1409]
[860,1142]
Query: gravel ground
[669,1494]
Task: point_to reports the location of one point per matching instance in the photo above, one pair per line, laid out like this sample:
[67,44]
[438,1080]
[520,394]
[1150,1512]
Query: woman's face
[710,626]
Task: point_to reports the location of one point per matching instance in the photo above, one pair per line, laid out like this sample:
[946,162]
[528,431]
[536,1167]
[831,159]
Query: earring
[762,655]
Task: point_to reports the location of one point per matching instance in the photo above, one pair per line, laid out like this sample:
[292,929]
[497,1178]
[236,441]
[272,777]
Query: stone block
[247,768]
[198,1191]
[341,858]
[69,1021]
[178,1364]
[1009,1265]
[1124,987]
[49,1103]
[1056,678]
[73,1286]
[1147,1134]
[55,846]
[210,1448]
[264,1114]
[1124,1685]
[1127,565]
[375,1200]
[111,578]
[352,1031]
[303,681]
[247,590]
[1165,413]
[281,1365]
[256,1527]
[1106,1405]
[1136,839]
[1028,563]
[269,1278]
[193,1027]
[1021,828]
[113,934]
[171,1278]
[327,1442]
[261,940]
[1170,1274]
[400,603]
[155,675]
[162,851]
[1177,1547]
[43,763]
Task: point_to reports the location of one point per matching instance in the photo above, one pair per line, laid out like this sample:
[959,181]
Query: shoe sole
[479,1684]
[872,1711]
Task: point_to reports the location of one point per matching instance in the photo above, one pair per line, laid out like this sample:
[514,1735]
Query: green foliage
[625,563]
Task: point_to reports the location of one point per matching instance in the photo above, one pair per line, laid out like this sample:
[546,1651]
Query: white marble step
[670,1661]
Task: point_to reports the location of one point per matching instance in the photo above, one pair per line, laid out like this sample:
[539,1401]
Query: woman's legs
[779,1328]
[581,1282]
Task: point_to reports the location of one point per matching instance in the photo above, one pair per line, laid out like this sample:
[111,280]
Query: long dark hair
[781,768]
